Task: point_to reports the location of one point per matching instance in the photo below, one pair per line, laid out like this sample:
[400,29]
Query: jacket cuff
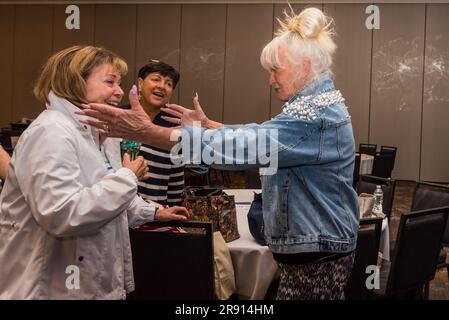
[149,213]
[127,173]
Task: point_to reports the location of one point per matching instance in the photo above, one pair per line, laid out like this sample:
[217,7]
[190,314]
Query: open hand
[115,122]
[184,116]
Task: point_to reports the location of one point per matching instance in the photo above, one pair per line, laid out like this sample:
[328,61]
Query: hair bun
[308,24]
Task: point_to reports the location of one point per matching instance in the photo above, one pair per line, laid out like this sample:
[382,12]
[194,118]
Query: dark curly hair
[164,69]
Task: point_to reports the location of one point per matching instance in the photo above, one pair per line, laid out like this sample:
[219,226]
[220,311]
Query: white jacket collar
[67,108]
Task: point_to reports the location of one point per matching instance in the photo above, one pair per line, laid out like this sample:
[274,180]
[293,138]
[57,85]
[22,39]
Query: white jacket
[62,212]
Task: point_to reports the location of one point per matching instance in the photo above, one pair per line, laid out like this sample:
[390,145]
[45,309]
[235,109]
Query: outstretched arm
[132,124]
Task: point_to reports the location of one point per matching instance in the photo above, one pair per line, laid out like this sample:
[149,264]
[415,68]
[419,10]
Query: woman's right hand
[138,166]
[173,213]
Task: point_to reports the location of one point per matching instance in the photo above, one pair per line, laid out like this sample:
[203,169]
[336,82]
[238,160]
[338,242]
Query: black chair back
[383,164]
[366,254]
[391,150]
[368,148]
[368,183]
[417,248]
[432,195]
[173,266]
[5,141]
[253,179]
[356,173]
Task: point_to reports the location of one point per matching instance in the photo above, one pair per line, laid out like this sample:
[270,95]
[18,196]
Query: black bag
[255,219]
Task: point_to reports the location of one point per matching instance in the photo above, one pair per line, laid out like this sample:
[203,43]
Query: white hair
[306,34]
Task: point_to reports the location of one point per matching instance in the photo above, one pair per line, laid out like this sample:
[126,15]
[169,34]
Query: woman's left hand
[173,213]
[138,166]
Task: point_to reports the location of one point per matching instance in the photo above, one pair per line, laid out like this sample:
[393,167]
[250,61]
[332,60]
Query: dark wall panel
[6,63]
[397,79]
[33,37]
[115,29]
[352,63]
[435,122]
[247,92]
[158,36]
[202,57]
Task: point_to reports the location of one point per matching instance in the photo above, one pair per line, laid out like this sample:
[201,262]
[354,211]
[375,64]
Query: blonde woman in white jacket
[68,200]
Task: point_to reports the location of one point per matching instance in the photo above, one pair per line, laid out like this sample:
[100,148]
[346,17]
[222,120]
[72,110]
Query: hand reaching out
[186,117]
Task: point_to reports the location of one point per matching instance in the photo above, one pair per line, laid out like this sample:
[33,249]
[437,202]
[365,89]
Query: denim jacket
[309,204]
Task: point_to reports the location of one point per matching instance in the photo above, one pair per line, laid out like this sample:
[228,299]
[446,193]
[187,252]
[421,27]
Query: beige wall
[395,79]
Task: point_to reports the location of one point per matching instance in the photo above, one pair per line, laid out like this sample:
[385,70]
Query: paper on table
[366,203]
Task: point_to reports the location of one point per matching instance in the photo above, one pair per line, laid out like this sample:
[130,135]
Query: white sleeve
[140,212]
[49,175]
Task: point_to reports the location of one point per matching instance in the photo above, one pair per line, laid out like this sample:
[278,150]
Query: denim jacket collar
[316,86]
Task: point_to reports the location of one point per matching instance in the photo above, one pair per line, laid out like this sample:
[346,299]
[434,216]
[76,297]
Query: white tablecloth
[242,196]
[384,245]
[366,164]
[254,266]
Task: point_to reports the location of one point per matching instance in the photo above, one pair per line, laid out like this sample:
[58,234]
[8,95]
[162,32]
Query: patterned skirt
[315,281]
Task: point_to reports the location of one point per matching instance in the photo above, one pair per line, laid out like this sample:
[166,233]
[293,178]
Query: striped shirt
[166,182]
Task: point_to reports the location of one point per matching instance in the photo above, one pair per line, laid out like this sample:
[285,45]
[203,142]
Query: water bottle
[378,200]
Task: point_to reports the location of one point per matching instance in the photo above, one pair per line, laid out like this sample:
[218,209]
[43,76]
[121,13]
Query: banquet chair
[368,183]
[368,148]
[415,255]
[252,179]
[197,175]
[225,177]
[366,254]
[5,141]
[383,164]
[390,150]
[173,265]
[432,195]
[356,173]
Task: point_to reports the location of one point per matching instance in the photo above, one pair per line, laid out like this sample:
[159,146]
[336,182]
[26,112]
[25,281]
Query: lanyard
[107,163]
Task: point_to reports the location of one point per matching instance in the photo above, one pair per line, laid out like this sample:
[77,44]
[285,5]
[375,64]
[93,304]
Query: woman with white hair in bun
[310,209]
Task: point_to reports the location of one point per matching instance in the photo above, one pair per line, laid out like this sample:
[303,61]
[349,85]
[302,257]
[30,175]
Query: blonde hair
[307,34]
[66,71]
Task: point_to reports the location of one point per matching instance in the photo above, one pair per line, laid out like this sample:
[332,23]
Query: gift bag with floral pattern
[213,205]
